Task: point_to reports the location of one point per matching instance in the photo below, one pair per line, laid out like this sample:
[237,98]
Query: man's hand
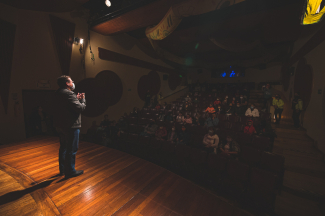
[80,96]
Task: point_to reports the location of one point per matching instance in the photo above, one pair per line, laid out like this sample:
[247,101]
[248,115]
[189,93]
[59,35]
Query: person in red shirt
[217,102]
[249,128]
[210,109]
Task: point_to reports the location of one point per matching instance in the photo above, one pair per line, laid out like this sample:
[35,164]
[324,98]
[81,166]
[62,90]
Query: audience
[169,117]
[150,129]
[229,147]
[211,141]
[217,102]
[180,118]
[252,111]
[105,123]
[212,121]
[161,133]
[238,110]
[161,116]
[230,110]
[183,136]
[172,135]
[278,106]
[210,109]
[188,119]
[249,128]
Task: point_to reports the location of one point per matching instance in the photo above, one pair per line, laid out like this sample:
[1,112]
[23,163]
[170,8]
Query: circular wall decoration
[104,90]
[149,82]
[304,81]
[173,81]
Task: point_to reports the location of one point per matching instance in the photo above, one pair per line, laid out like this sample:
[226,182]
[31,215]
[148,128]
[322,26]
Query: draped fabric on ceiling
[63,34]
[7,40]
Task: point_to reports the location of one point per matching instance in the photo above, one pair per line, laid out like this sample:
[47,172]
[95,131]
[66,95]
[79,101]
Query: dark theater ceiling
[248,33]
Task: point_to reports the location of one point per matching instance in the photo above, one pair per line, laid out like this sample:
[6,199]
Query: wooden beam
[109,55]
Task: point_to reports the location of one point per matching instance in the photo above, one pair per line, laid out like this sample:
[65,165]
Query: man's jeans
[69,142]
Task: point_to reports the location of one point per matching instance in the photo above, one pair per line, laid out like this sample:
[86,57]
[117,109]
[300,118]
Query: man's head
[250,122]
[213,115]
[277,96]
[230,104]
[188,116]
[180,114]
[173,128]
[183,128]
[238,104]
[267,86]
[252,106]
[210,105]
[65,82]
[229,138]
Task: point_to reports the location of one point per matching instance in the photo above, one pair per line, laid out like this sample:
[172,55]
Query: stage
[113,183]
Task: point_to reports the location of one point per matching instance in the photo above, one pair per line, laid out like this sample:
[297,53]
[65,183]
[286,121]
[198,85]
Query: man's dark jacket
[67,112]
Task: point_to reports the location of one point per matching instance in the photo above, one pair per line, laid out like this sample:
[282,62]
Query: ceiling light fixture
[108,3]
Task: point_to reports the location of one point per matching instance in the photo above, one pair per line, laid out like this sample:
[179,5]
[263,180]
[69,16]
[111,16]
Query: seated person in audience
[238,110]
[122,124]
[196,94]
[186,107]
[211,141]
[172,135]
[219,110]
[230,109]
[150,129]
[152,104]
[225,102]
[242,100]
[135,112]
[234,101]
[164,106]
[104,124]
[169,117]
[217,102]
[180,118]
[252,111]
[195,101]
[212,121]
[158,107]
[183,136]
[113,130]
[161,116]
[188,119]
[161,133]
[237,94]
[210,109]
[249,128]
[229,147]
[187,98]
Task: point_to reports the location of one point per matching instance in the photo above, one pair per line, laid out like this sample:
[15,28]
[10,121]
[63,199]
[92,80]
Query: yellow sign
[313,13]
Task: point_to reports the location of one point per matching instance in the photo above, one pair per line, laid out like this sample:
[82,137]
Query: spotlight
[108,3]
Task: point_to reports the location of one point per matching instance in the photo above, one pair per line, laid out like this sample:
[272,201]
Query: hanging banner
[166,26]
[313,13]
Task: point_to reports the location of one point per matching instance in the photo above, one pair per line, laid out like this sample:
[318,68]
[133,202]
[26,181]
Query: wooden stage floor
[114,183]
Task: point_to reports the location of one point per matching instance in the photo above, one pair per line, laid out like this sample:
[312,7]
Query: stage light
[81,41]
[108,3]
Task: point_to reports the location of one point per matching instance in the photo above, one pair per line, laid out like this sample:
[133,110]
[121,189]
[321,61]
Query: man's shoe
[74,174]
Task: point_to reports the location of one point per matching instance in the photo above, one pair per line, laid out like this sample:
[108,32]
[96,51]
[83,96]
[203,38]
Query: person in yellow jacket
[297,107]
[278,106]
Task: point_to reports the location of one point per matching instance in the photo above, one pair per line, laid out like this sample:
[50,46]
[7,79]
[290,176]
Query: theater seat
[250,156]
[261,143]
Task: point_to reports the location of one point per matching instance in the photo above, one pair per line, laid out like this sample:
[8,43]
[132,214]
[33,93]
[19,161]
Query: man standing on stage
[67,120]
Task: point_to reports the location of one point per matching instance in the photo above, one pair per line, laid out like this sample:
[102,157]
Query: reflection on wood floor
[114,183]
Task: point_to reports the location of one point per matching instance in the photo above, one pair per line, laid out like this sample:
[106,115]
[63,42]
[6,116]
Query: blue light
[232,74]
[224,74]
